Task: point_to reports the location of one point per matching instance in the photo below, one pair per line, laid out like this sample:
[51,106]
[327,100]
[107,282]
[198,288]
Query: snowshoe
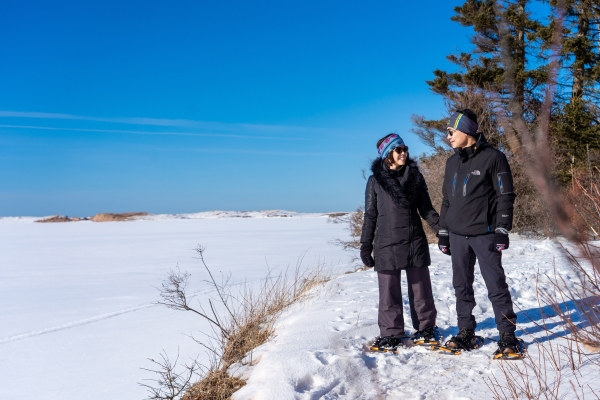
[427,337]
[509,347]
[389,344]
[465,340]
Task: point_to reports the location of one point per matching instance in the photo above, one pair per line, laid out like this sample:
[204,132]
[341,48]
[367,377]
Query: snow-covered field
[77,313]
[78,319]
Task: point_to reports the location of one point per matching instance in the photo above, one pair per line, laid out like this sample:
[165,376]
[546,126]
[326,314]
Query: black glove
[500,240]
[444,241]
[365,255]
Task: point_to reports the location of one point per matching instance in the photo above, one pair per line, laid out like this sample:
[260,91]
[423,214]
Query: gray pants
[420,298]
[464,251]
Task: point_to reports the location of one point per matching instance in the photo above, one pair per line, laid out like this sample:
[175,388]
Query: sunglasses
[450,132]
[401,149]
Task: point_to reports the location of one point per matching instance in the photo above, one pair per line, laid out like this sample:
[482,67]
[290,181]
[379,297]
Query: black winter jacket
[392,225]
[478,191]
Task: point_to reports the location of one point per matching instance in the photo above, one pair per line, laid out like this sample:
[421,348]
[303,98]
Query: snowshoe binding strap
[456,345]
[508,351]
[427,337]
[388,344]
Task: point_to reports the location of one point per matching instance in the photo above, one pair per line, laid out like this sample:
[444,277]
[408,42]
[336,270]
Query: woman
[395,200]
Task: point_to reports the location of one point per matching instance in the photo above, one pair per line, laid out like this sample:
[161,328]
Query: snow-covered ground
[320,347]
[78,319]
[77,312]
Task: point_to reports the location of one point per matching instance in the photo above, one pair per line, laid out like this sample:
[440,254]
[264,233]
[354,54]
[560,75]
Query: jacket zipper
[465,184]
[455,176]
[410,239]
[454,183]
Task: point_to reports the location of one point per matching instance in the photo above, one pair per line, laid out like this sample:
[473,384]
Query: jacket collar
[471,151]
[401,184]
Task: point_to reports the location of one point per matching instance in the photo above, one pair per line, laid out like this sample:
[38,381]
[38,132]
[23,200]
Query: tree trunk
[583,27]
[519,56]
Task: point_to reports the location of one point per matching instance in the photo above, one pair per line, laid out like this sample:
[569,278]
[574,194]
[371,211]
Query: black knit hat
[465,121]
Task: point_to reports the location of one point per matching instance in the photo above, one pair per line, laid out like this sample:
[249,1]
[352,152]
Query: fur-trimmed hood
[395,202]
[405,193]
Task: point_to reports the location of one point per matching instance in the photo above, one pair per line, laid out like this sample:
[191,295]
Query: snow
[79,318]
[320,347]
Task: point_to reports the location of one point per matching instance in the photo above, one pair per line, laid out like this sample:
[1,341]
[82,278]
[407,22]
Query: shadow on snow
[543,319]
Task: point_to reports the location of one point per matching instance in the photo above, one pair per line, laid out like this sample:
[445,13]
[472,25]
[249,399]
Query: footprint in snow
[304,384]
[343,328]
[325,358]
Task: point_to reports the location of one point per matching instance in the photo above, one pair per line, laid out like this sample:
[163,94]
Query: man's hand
[501,241]
[365,254]
[444,241]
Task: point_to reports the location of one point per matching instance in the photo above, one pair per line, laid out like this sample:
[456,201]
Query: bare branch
[173,292]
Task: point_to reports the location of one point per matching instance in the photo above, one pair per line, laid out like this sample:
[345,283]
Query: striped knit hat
[390,143]
[462,122]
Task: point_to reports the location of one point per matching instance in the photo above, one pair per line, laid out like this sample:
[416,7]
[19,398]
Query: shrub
[246,323]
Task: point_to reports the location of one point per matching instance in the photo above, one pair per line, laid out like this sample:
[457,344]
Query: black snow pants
[420,299]
[464,251]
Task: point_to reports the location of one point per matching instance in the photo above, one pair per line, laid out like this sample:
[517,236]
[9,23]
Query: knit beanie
[389,144]
[461,122]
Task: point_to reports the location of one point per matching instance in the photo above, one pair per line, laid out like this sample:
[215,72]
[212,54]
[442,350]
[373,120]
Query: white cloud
[50,128]
[180,123]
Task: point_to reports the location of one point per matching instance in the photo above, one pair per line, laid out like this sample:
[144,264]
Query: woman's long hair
[389,160]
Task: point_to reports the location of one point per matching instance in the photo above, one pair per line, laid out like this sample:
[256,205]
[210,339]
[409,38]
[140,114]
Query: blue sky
[186,106]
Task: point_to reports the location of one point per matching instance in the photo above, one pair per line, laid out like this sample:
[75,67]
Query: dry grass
[216,385]
[355,222]
[585,192]
[106,217]
[110,217]
[545,375]
[558,365]
[57,218]
[433,168]
[246,321]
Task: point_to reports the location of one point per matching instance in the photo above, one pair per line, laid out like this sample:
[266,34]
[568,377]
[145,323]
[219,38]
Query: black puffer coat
[392,225]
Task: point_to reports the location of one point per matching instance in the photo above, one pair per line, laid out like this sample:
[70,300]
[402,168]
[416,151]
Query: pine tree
[485,78]
[507,68]
[576,127]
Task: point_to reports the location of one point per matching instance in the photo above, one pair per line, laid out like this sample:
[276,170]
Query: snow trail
[74,324]
[320,347]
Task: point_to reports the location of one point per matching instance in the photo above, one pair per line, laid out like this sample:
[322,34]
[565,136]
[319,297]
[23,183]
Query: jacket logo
[476,172]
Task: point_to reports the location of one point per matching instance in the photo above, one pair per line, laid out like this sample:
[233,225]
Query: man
[476,216]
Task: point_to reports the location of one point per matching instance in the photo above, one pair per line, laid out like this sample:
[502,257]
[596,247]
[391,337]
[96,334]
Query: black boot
[427,337]
[464,340]
[509,347]
[387,343]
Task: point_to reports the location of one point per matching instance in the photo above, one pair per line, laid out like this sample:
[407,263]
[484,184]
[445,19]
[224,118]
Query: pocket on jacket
[479,215]
[505,183]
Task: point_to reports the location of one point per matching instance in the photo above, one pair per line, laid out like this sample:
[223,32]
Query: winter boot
[464,340]
[388,343]
[509,347]
[427,337]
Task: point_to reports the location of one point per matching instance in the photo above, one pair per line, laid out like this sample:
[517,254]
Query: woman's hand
[365,254]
